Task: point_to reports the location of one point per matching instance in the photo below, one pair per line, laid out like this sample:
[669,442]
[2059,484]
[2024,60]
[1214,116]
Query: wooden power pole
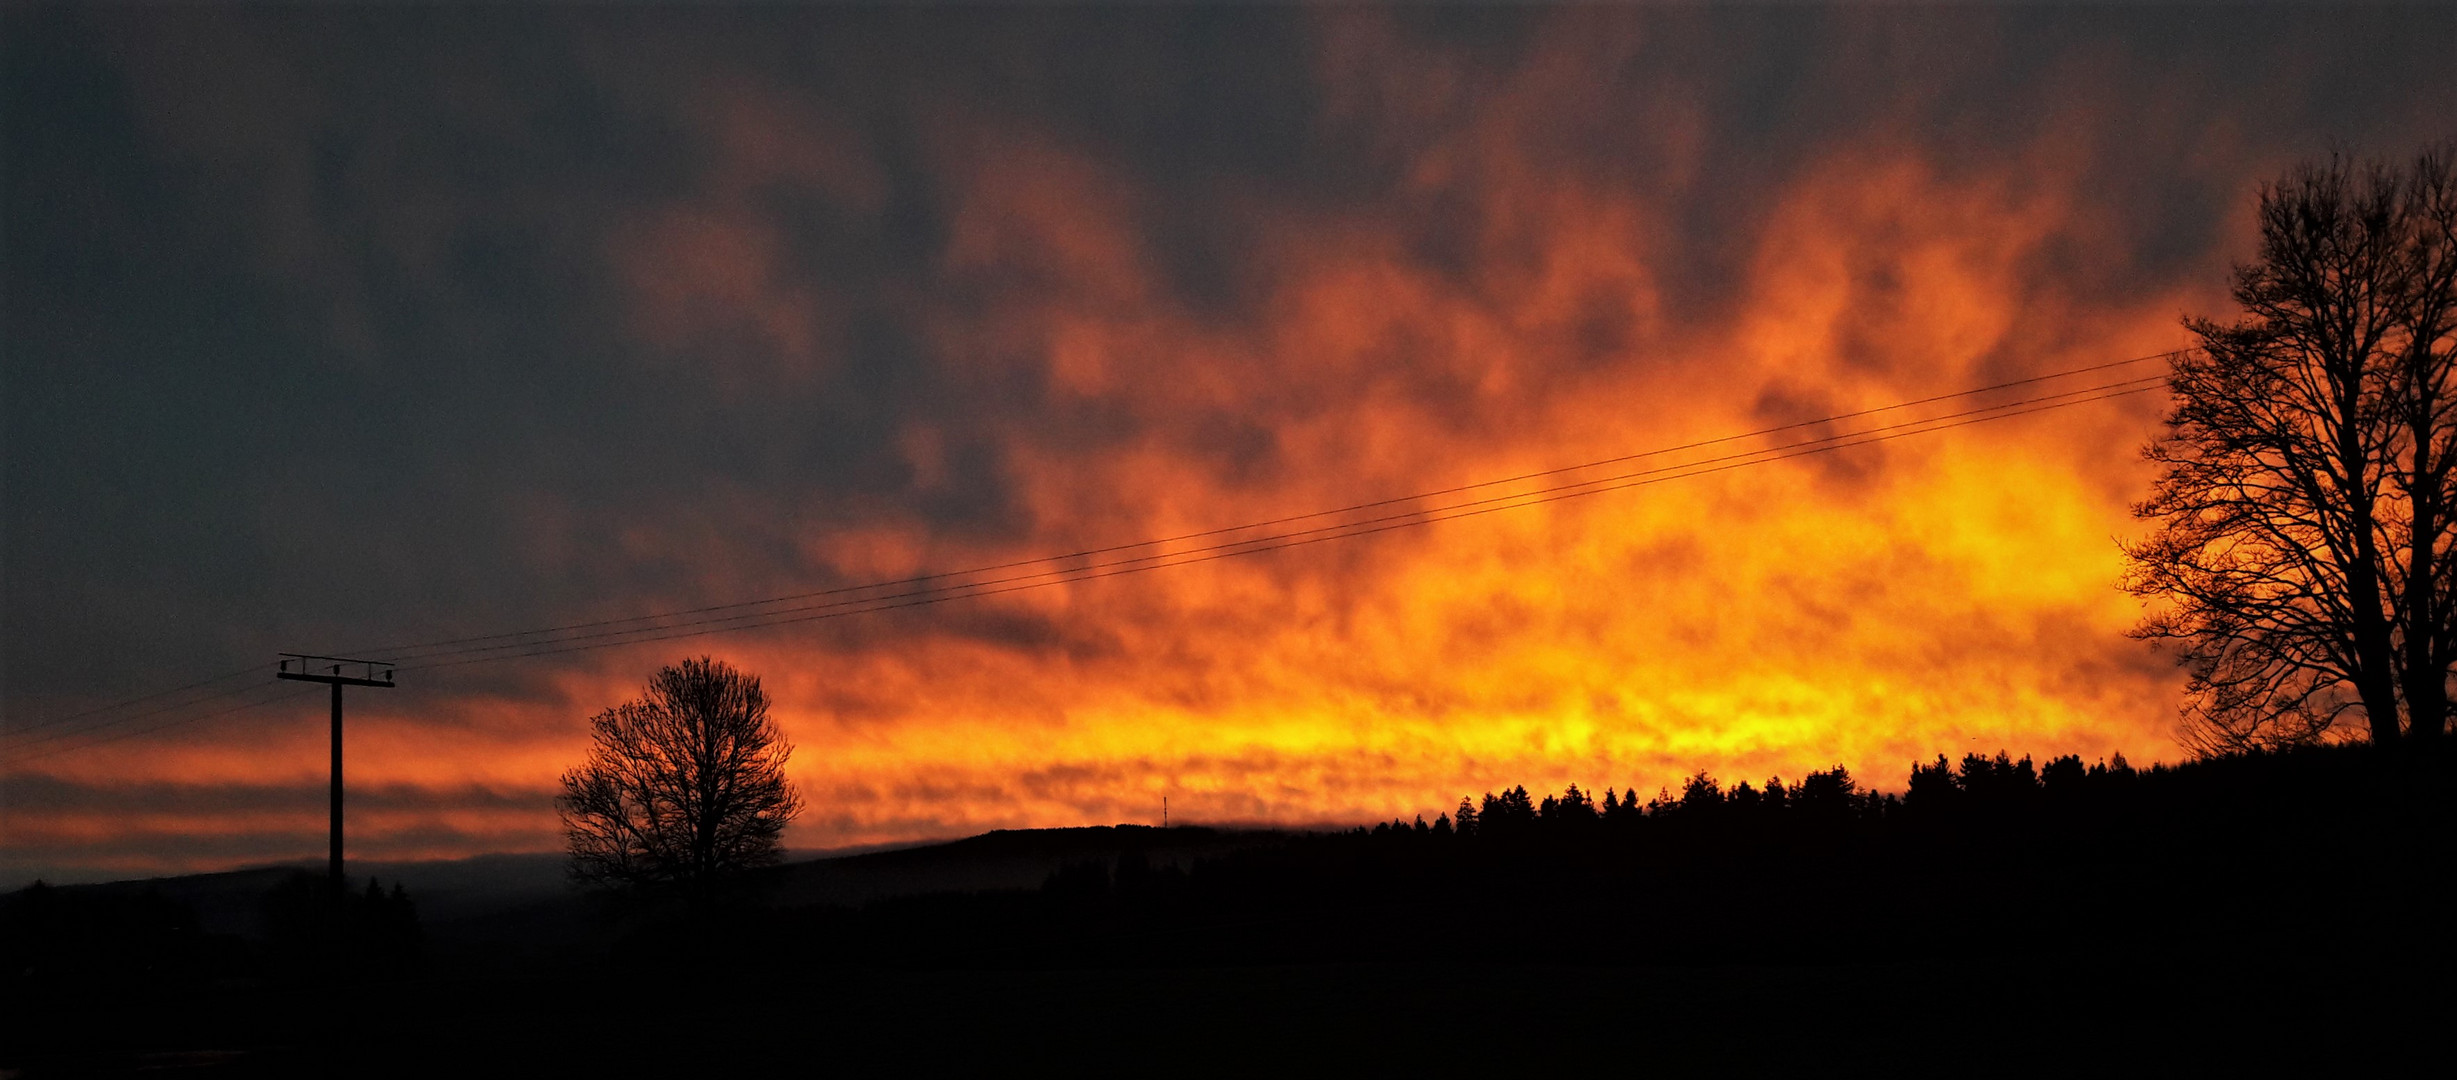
[337,673]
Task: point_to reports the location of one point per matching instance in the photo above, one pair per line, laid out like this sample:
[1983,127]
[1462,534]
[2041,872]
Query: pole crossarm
[337,670]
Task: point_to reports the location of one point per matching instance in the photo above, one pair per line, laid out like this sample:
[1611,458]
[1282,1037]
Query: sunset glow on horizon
[889,322]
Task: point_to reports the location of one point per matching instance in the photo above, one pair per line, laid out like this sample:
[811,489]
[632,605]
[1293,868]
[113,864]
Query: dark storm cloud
[314,306]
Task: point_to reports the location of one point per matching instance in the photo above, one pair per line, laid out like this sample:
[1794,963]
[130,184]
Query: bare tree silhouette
[2305,504]
[682,787]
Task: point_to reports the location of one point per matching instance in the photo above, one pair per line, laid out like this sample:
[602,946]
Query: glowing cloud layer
[928,324]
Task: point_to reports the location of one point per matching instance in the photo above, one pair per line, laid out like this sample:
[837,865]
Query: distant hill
[1003,859]
[490,899]
[230,902]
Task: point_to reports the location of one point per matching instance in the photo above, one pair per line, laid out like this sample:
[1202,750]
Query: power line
[507,641]
[287,694]
[137,700]
[23,738]
[927,597]
[420,647]
[608,638]
[541,643]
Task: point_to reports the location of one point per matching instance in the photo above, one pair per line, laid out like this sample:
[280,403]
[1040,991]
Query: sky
[336,330]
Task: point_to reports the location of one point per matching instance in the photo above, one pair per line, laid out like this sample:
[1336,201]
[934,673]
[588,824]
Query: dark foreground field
[1999,918]
[1366,1018]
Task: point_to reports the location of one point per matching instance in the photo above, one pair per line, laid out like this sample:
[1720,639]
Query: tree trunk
[2380,709]
[2426,681]
[2372,646]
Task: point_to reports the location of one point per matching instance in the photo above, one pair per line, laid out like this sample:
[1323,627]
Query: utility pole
[336,672]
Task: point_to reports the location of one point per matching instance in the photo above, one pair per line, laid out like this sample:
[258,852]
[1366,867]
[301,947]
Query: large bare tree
[2305,508]
[683,786]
